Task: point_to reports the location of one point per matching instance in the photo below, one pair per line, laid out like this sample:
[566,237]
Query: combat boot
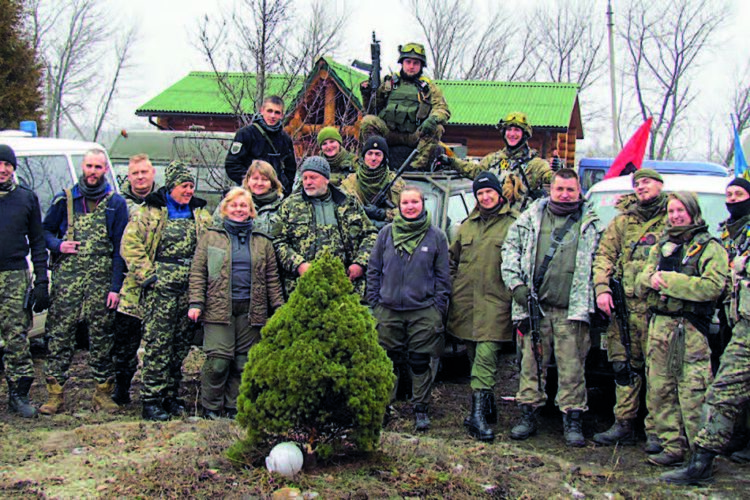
[621,432]
[102,399]
[174,407]
[742,456]
[573,428]
[490,407]
[18,398]
[152,410]
[653,445]
[421,419]
[527,425]
[121,394]
[55,398]
[477,423]
[698,471]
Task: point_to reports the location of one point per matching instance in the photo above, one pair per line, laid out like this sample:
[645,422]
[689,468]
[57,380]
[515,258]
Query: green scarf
[261,200]
[7,187]
[407,234]
[683,234]
[336,160]
[649,209]
[371,180]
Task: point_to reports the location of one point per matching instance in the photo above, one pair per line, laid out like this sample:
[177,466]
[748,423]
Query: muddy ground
[80,454]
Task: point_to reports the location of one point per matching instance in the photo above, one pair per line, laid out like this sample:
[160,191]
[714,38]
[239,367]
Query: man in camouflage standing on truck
[411,110]
[83,229]
[622,254]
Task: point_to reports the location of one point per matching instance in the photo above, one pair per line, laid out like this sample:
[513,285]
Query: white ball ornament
[285,458]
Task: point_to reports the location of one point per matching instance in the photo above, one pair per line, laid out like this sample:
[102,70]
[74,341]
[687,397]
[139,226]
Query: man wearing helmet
[411,110]
[530,171]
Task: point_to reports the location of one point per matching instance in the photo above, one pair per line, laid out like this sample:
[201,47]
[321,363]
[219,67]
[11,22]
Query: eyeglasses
[413,47]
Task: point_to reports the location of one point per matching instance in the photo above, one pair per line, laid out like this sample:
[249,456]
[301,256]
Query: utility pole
[610,29]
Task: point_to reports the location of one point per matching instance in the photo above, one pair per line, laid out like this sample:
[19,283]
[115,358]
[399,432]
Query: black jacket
[21,230]
[250,144]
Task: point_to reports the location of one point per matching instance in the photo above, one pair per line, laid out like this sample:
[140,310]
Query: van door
[46,175]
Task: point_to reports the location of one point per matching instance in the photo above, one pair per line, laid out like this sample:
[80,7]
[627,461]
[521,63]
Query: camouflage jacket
[432,100]
[625,245]
[298,240]
[131,199]
[536,171]
[344,163]
[349,186]
[141,240]
[519,255]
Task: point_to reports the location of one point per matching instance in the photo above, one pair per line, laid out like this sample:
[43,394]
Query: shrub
[318,375]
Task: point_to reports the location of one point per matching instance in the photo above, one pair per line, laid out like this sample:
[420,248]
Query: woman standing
[158,247]
[234,289]
[684,276]
[267,192]
[408,286]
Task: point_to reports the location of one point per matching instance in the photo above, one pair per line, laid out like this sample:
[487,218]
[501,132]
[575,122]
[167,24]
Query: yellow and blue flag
[740,164]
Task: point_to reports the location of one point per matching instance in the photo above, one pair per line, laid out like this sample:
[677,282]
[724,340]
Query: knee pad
[419,362]
[217,365]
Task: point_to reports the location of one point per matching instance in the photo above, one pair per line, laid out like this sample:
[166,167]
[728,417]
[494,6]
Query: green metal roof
[484,103]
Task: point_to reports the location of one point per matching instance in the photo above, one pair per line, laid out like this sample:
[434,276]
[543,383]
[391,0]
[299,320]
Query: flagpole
[610,28]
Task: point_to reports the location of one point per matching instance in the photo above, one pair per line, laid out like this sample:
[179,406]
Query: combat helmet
[515,119]
[412,51]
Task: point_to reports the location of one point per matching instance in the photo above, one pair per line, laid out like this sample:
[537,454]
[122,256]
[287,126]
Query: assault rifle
[622,316]
[382,197]
[535,318]
[374,75]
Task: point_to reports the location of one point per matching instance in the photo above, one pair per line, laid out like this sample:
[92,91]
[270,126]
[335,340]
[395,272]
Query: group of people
[532,263]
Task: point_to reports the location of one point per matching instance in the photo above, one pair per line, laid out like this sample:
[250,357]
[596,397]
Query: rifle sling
[557,238]
[265,136]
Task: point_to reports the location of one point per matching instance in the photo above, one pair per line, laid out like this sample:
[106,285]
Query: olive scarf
[261,200]
[407,234]
[371,180]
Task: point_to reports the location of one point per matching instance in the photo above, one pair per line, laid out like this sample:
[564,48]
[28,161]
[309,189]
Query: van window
[45,175]
[591,176]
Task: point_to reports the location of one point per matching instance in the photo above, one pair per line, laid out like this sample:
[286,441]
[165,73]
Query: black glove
[41,297]
[375,213]
[445,161]
[521,294]
[150,282]
[429,126]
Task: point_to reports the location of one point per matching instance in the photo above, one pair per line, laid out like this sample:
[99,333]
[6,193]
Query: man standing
[264,139]
[547,255]
[21,227]
[127,323]
[322,217]
[479,312]
[83,229]
[622,254]
[530,172]
[411,110]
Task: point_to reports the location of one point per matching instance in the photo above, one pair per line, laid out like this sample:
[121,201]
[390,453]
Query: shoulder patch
[236,147]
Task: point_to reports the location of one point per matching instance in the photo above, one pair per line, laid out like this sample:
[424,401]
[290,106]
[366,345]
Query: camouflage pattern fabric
[342,164]
[167,329]
[127,331]
[80,285]
[483,357]
[350,187]
[678,370]
[14,325]
[571,343]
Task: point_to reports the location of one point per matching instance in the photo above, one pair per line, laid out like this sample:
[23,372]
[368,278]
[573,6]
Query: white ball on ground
[285,458]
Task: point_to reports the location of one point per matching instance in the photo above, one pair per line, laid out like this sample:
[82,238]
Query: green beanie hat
[329,133]
[177,173]
[647,173]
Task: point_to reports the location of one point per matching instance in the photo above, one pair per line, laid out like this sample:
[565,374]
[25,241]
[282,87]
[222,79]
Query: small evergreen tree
[20,73]
[318,376]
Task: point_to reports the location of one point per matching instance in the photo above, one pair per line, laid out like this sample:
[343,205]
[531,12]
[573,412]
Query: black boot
[174,406]
[121,394]
[490,407]
[621,433]
[421,419]
[477,424]
[573,428]
[527,424]
[18,397]
[698,471]
[152,410]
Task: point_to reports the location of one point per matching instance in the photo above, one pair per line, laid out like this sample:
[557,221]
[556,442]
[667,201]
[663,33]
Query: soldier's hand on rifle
[41,297]
[429,126]
[113,299]
[355,271]
[302,269]
[365,85]
[69,246]
[657,282]
[194,313]
[521,294]
[604,303]
[445,161]
[375,213]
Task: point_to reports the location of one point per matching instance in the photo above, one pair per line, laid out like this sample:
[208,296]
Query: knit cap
[329,133]
[375,142]
[177,173]
[650,173]
[7,154]
[737,181]
[487,180]
[316,164]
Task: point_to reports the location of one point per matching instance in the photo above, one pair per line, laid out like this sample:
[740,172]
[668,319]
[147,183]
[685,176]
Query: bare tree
[665,43]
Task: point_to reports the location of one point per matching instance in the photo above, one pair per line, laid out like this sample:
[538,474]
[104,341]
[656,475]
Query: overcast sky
[166,51]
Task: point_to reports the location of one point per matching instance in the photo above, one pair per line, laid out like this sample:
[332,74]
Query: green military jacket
[140,242]
[736,240]
[210,285]
[625,245]
[480,308]
[519,255]
[350,187]
[342,165]
[431,99]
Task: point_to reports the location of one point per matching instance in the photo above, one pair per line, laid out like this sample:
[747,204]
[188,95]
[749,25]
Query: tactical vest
[684,262]
[175,253]
[401,111]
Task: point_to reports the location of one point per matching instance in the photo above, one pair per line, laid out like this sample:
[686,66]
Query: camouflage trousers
[571,342]
[127,339]
[14,325]
[413,340]
[76,298]
[425,144]
[678,372]
[729,393]
[628,396]
[167,332]
[483,358]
